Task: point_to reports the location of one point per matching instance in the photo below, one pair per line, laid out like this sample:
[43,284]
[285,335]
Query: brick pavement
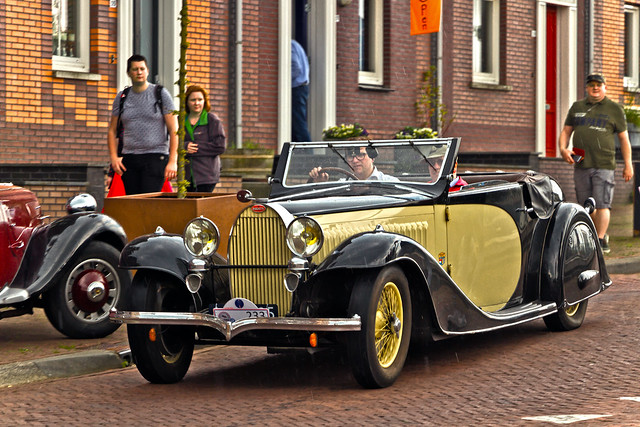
[496,378]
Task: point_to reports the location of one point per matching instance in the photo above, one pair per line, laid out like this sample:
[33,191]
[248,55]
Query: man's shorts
[596,183]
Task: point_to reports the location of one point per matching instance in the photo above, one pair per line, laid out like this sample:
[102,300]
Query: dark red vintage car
[69,266]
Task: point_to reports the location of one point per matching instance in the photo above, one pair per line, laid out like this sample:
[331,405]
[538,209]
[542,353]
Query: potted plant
[141,214]
[410,132]
[345,132]
[632,114]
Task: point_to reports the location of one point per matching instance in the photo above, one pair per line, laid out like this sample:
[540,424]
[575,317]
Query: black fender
[453,311]
[159,252]
[573,267]
[53,245]
[164,253]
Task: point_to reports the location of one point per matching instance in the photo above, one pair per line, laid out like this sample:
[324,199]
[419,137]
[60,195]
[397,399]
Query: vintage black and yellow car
[366,264]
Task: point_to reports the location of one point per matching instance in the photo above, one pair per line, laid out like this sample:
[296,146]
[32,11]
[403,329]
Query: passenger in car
[457,183]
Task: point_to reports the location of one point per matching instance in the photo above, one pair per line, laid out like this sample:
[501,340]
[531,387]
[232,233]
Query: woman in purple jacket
[204,141]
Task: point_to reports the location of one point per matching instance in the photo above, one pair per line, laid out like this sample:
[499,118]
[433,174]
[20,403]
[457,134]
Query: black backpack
[120,128]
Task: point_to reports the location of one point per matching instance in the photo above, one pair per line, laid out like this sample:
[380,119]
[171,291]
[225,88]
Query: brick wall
[45,118]
[500,117]
[382,111]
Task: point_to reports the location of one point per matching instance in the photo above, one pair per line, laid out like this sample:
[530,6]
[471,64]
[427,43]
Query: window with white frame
[70,35]
[486,41]
[371,42]
[631,50]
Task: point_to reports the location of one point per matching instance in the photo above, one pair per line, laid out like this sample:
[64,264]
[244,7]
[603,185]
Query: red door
[552,79]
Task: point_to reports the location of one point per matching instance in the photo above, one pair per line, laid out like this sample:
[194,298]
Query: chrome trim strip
[229,330]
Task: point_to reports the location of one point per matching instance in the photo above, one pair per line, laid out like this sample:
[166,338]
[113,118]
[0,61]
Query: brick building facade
[57,119]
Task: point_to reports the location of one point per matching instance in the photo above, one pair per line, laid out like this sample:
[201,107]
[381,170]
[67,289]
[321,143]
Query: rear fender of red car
[52,246]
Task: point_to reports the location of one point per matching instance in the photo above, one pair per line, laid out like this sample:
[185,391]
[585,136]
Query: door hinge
[447,214]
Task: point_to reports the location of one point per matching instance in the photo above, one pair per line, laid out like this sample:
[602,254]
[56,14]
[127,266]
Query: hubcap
[92,290]
[389,320]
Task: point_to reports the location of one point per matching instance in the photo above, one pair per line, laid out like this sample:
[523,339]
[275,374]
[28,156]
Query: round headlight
[201,237]
[304,237]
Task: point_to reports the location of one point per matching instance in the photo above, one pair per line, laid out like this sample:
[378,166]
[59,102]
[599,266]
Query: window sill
[491,86]
[632,89]
[375,88]
[77,76]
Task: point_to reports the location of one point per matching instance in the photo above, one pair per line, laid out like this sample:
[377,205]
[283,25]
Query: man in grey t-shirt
[150,143]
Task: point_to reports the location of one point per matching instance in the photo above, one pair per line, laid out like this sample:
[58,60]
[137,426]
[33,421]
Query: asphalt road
[511,377]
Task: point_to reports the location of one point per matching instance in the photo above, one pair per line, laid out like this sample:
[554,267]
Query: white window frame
[376,46]
[631,49]
[480,76]
[79,63]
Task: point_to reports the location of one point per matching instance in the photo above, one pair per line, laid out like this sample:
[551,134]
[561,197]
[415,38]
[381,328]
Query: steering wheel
[331,169]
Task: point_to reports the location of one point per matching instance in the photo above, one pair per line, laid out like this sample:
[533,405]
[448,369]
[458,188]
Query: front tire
[91,284]
[566,319]
[162,353]
[378,351]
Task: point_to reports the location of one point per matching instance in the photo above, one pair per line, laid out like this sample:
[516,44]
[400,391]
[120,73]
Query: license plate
[242,308]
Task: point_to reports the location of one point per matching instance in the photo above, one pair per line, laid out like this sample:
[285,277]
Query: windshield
[392,161]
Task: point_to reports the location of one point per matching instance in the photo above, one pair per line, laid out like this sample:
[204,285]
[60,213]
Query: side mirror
[244,196]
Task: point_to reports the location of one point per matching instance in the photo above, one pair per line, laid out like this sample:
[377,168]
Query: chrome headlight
[304,237]
[201,237]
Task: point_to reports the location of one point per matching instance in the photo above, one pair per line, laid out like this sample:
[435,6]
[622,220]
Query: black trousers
[201,188]
[145,172]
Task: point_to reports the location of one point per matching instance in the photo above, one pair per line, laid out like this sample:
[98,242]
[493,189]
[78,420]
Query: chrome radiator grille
[258,239]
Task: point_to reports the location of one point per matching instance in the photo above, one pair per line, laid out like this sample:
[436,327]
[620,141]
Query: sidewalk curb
[86,362]
[629,265]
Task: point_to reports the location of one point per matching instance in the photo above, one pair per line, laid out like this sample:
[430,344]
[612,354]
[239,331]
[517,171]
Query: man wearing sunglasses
[360,163]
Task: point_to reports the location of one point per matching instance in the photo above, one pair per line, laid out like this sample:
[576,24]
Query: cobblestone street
[508,377]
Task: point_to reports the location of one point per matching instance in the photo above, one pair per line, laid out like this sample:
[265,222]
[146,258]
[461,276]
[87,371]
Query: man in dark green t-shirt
[594,121]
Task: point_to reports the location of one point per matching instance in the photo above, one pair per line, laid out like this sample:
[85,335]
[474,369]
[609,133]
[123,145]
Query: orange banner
[425,16]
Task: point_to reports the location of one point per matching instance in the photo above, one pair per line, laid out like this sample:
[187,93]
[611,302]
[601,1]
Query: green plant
[632,111]
[344,132]
[182,82]
[428,103]
[410,132]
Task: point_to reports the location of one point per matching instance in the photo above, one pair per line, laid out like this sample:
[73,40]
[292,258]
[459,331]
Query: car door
[484,249]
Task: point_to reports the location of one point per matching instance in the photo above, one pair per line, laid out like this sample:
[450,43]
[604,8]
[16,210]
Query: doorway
[145,34]
[556,75]
[551,98]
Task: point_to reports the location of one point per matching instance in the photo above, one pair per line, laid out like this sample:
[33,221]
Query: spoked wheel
[78,305]
[162,353]
[378,351]
[332,169]
[568,318]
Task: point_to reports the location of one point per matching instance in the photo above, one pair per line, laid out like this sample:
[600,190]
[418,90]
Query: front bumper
[231,329]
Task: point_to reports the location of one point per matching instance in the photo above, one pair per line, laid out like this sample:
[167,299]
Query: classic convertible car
[69,266]
[367,266]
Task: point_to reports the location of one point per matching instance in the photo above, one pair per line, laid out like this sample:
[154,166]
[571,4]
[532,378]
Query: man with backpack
[142,121]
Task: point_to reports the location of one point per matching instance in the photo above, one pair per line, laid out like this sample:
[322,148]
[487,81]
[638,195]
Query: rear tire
[378,351]
[91,285]
[162,353]
[566,319]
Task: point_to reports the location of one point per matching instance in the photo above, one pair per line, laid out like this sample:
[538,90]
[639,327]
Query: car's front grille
[258,240]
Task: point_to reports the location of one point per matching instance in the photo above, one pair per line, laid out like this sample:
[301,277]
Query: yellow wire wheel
[572,310]
[389,323]
[377,352]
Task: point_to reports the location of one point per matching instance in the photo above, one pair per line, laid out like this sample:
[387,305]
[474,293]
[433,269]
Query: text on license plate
[241,308]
